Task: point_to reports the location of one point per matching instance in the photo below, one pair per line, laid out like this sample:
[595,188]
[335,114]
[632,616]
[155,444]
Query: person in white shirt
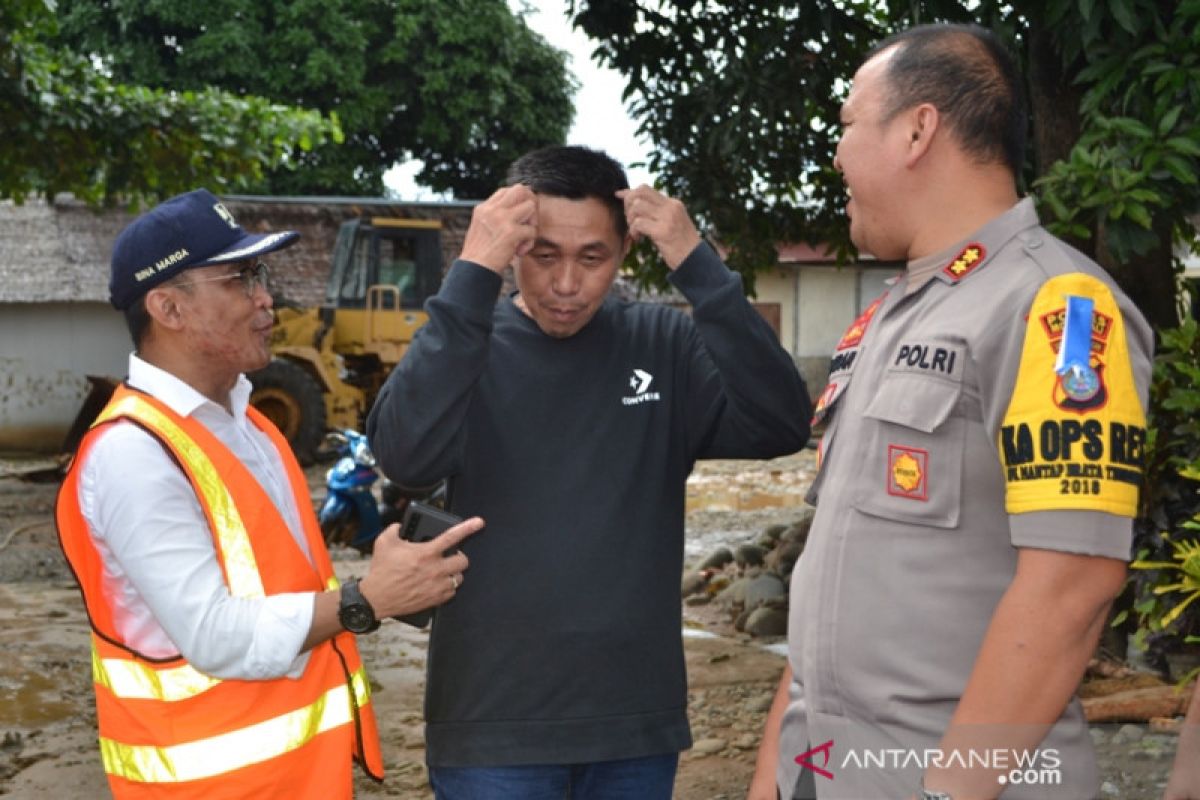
[154,570]
[198,325]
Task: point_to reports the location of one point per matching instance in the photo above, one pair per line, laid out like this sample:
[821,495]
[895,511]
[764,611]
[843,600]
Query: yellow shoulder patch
[1065,450]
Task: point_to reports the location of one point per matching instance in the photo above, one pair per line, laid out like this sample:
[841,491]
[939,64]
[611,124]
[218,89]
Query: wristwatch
[930,794]
[354,612]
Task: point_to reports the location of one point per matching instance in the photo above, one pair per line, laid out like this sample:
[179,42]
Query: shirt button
[1035,244]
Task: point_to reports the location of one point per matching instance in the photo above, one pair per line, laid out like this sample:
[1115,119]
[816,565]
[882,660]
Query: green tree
[463,85]
[68,127]
[741,99]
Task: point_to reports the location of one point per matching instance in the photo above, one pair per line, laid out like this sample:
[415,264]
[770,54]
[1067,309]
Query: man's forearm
[1033,656]
[763,784]
[1184,783]
[325,622]
[767,409]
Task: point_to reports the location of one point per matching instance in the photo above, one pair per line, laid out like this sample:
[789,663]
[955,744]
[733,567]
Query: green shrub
[1165,580]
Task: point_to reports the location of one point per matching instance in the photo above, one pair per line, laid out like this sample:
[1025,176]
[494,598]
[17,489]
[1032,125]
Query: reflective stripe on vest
[253,744]
[165,726]
[139,681]
[241,569]
[136,680]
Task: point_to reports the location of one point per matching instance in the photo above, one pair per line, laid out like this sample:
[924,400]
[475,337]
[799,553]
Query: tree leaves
[465,86]
[729,93]
[70,128]
[741,100]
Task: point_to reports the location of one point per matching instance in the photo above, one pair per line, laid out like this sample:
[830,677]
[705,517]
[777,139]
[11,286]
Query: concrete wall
[46,352]
[778,286]
[818,303]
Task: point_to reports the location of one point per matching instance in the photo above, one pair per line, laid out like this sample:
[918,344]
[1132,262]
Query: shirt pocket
[913,458]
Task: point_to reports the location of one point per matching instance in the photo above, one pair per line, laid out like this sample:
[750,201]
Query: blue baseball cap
[189,230]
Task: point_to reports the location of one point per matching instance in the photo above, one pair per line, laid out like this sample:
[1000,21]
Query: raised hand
[503,226]
[662,219]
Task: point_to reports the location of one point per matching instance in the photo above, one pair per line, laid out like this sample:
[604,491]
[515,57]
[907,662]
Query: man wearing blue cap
[223,650]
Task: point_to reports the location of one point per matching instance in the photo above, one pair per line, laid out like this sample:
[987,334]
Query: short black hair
[137,319]
[575,173]
[967,73]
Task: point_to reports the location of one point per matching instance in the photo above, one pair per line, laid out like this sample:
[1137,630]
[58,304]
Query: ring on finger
[454,582]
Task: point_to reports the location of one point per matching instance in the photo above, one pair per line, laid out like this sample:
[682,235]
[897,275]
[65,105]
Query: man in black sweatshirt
[569,421]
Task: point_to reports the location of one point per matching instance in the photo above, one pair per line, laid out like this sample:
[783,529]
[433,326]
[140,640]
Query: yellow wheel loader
[330,361]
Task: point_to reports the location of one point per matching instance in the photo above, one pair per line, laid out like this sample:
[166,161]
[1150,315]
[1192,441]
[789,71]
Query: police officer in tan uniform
[980,466]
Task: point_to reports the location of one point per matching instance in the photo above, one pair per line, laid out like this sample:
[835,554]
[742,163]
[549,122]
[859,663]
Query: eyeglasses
[252,277]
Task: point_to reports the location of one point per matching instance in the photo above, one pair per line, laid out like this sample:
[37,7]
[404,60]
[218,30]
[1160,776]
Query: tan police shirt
[950,443]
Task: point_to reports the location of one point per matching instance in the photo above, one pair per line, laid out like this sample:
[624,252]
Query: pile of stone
[751,581]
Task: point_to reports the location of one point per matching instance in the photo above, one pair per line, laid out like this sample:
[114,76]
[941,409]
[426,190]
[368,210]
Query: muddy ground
[47,721]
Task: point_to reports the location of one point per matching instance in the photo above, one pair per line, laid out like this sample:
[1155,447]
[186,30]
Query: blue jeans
[650,778]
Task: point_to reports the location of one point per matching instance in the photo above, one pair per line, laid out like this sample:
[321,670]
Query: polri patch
[908,472]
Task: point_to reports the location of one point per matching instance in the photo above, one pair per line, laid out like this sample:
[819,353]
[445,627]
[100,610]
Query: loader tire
[288,396]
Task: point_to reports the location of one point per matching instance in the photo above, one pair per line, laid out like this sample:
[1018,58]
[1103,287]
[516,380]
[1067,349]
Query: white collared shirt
[161,574]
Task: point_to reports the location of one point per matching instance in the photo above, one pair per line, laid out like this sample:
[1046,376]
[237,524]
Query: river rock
[770,536]
[747,741]
[1126,734]
[716,559]
[692,582]
[782,560]
[767,621]
[760,704]
[798,530]
[707,747]
[739,623]
[749,555]
[734,594]
[763,588]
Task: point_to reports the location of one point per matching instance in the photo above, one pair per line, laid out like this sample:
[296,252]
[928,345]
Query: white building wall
[827,300]
[779,286]
[46,352]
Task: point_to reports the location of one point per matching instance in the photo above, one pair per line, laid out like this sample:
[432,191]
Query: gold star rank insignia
[970,258]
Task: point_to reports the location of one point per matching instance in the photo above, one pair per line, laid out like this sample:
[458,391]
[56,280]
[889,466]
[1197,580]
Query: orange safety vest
[170,731]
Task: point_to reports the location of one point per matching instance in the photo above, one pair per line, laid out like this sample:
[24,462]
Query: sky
[601,120]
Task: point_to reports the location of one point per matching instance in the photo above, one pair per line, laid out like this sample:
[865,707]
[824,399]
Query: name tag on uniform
[934,358]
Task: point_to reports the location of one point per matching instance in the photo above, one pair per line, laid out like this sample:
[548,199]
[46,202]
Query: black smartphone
[420,524]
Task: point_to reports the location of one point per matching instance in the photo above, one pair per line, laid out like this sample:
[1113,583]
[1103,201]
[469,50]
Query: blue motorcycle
[350,515]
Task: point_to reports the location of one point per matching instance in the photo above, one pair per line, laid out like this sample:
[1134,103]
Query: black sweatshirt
[563,643]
